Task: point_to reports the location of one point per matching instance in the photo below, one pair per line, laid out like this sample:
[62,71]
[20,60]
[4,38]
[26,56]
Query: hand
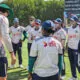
[13,58]
[33,37]
[30,76]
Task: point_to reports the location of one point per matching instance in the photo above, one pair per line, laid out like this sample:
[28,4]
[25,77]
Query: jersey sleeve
[22,28]
[33,52]
[26,28]
[5,34]
[10,30]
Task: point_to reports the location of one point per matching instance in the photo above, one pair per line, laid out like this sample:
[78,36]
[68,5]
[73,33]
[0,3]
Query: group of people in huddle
[46,46]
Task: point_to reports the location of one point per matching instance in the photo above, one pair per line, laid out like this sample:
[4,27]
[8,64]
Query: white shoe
[73,78]
[12,66]
[63,77]
[21,66]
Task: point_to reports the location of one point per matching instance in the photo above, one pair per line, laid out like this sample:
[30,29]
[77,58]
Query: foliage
[38,8]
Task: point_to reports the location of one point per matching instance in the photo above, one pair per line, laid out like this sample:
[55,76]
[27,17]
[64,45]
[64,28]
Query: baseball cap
[58,21]
[48,24]
[16,20]
[5,6]
[37,21]
[74,18]
[31,18]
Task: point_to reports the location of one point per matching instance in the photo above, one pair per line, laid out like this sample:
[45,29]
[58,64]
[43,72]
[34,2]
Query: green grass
[21,74]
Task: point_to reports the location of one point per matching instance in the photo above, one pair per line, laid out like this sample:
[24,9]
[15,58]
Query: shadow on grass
[17,74]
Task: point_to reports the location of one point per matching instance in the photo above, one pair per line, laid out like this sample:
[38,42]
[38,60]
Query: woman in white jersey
[36,32]
[29,29]
[45,55]
[60,35]
[5,11]
[73,40]
[16,32]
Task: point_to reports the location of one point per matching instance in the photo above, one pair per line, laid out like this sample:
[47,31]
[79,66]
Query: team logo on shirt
[72,36]
[50,44]
[16,34]
[45,44]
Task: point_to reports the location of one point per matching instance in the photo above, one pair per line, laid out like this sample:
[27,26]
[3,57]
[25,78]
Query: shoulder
[3,18]
[28,26]
[69,28]
[21,27]
[63,31]
[56,41]
[38,39]
[11,27]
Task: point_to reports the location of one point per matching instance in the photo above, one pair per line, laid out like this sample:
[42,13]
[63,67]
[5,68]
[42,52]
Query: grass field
[21,74]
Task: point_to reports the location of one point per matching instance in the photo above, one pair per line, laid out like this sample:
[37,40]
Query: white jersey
[4,33]
[16,33]
[36,33]
[29,30]
[60,35]
[73,37]
[46,49]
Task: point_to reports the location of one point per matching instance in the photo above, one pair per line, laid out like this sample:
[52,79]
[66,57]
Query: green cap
[7,8]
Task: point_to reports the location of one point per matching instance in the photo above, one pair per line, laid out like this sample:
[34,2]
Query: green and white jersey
[46,49]
[29,30]
[60,35]
[36,33]
[73,37]
[16,33]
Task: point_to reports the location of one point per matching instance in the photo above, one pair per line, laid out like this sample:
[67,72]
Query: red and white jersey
[16,33]
[60,35]
[29,30]
[46,49]
[73,37]
[36,33]
[4,33]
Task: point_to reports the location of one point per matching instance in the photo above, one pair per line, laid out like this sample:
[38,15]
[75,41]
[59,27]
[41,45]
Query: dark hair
[50,30]
[3,10]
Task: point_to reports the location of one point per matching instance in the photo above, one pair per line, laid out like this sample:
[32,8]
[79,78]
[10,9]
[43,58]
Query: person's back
[45,58]
[48,49]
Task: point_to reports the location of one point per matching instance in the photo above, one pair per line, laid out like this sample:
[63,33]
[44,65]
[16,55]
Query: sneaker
[73,78]
[21,66]
[12,66]
[63,77]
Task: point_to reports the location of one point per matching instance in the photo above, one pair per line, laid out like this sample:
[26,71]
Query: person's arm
[6,38]
[31,63]
[25,35]
[60,62]
[60,58]
[63,38]
[32,58]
